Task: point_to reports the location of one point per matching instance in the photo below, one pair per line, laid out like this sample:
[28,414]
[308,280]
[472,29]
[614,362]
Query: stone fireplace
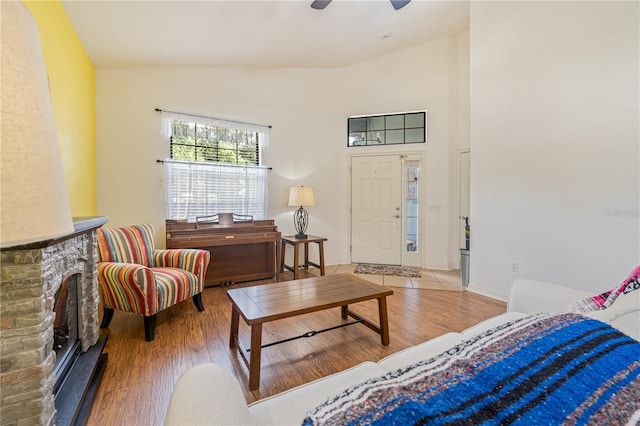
[30,279]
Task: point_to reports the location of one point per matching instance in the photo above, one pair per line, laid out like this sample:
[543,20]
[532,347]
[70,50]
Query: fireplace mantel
[80,225]
[30,275]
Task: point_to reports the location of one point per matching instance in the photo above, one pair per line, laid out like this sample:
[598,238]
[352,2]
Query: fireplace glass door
[65,326]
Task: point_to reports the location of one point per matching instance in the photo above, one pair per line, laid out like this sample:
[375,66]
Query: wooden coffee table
[270,302]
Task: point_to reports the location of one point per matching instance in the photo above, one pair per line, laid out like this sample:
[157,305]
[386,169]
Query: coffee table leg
[344,310]
[384,320]
[254,363]
[235,321]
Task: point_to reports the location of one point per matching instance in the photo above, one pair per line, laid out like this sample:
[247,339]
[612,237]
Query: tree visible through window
[200,142]
[215,167]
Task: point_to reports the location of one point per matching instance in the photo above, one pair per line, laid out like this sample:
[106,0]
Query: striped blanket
[540,370]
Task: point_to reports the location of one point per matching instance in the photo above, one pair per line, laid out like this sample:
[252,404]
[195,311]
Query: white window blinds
[203,189]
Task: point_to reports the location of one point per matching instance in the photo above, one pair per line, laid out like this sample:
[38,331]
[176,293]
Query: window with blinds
[192,141]
[215,168]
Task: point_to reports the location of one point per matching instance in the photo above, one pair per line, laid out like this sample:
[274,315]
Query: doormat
[398,271]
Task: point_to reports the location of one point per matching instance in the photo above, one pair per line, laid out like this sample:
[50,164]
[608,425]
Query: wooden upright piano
[242,249]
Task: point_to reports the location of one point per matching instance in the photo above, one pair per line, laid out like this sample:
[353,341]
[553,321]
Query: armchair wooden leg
[107,316]
[197,300]
[150,328]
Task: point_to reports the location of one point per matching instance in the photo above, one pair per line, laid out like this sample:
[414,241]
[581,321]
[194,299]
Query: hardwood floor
[140,375]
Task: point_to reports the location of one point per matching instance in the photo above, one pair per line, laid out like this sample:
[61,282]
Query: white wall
[308,109]
[554,143]
[462,142]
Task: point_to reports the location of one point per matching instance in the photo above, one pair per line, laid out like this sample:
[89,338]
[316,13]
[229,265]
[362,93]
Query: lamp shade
[34,205]
[302,196]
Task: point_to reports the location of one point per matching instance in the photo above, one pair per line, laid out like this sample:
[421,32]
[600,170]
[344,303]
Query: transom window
[387,129]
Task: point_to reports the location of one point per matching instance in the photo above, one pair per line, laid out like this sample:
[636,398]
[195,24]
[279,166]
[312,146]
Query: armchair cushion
[192,260]
[127,287]
[174,285]
[147,291]
[131,244]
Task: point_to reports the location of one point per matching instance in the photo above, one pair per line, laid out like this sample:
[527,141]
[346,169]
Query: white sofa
[210,394]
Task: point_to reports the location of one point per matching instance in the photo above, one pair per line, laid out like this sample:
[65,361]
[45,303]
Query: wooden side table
[296,242]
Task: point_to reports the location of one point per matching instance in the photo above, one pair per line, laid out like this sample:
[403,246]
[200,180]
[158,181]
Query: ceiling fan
[321,4]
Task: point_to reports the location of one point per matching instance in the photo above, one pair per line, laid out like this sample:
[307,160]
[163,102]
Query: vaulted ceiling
[266,34]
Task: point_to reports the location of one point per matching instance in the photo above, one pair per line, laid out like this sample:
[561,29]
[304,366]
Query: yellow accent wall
[72,83]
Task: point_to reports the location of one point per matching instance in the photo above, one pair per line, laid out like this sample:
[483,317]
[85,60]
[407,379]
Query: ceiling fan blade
[320,4]
[399,4]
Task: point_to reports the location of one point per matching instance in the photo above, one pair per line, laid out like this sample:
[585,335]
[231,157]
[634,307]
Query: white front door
[376,215]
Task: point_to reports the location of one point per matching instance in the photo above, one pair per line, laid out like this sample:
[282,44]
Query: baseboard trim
[490,294]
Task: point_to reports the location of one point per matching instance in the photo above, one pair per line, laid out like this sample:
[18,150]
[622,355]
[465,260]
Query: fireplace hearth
[51,352]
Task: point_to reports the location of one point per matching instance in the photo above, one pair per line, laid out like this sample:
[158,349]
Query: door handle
[397,216]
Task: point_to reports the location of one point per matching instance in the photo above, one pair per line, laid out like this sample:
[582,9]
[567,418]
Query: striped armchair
[135,277]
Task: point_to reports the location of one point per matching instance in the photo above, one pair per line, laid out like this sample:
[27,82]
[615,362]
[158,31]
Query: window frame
[386,129]
[237,183]
[214,143]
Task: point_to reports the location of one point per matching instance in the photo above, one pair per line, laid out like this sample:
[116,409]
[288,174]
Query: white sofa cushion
[623,314]
[420,352]
[534,297]
[290,407]
[491,323]
[191,404]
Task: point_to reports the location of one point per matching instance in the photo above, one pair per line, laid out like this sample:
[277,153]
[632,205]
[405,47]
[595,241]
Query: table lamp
[302,196]
[33,194]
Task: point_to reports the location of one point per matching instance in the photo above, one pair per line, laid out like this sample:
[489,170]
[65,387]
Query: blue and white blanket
[540,370]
